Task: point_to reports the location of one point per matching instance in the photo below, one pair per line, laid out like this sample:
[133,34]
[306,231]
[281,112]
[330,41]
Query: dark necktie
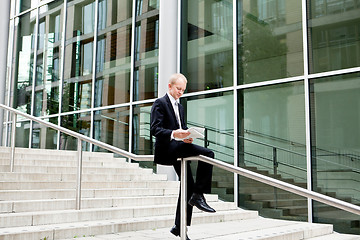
[177,113]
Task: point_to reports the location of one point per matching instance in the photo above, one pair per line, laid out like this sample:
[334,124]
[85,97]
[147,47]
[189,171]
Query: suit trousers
[203,175]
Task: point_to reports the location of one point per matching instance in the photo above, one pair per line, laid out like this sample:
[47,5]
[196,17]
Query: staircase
[37,200]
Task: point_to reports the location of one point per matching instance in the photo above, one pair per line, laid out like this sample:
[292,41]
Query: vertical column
[4,36]
[168,42]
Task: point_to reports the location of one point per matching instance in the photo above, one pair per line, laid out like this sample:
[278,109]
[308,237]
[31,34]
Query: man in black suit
[168,124]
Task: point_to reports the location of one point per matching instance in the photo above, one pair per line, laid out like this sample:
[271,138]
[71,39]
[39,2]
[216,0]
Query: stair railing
[228,167]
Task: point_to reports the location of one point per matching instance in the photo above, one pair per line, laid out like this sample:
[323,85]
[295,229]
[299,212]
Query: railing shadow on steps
[228,167]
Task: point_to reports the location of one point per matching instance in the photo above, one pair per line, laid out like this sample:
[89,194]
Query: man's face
[177,89]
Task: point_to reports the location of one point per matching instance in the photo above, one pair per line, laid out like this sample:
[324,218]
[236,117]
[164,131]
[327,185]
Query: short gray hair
[177,76]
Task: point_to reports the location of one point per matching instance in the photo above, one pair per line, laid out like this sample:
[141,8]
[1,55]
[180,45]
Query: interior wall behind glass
[208,46]
[334,35]
[269,40]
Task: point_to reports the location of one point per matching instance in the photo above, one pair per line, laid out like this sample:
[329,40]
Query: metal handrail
[228,167]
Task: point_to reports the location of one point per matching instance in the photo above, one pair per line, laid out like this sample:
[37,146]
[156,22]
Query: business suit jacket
[163,122]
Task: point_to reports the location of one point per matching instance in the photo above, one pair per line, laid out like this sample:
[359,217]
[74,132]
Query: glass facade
[276,86]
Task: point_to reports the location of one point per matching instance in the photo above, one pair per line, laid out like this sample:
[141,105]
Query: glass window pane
[272,140]
[269,40]
[44,137]
[77,90]
[335,138]
[215,113]
[146,53]
[142,140]
[23,59]
[78,122]
[23,5]
[80,18]
[208,53]
[48,59]
[334,35]
[22,134]
[113,67]
[112,126]
[112,12]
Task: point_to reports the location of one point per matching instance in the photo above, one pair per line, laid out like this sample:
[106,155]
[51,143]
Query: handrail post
[183,194]
[79,174]
[13,136]
[206,138]
[276,164]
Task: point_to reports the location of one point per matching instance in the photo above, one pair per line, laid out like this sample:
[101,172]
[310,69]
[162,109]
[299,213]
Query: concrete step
[38,194]
[113,162]
[91,228]
[247,229]
[86,203]
[11,220]
[62,169]
[21,185]
[67,177]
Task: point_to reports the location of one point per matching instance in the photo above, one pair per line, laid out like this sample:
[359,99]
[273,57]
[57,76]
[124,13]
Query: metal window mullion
[235,76]
[178,37]
[307,108]
[10,82]
[34,75]
[94,72]
[132,62]
[61,80]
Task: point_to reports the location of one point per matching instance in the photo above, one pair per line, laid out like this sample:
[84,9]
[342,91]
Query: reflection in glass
[270,40]
[78,122]
[215,113]
[112,126]
[146,53]
[335,145]
[334,35]
[44,137]
[112,12]
[76,95]
[23,5]
[208,56]
[48,59]
[79,56]
[272,140]
[23,61]
[80,18]
[113,67]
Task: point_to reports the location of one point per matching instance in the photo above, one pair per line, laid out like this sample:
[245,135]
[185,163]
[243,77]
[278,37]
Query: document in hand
[195,132]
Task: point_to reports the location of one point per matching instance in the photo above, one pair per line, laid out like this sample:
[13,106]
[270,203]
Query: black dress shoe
[199,201]
[176,231]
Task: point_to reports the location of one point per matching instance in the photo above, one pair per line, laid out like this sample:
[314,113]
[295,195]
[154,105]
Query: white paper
[195,132]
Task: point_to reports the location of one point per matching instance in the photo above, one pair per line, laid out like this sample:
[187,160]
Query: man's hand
[180,133]
[188,140]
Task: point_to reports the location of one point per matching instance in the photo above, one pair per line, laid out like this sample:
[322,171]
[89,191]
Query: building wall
[275,83]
